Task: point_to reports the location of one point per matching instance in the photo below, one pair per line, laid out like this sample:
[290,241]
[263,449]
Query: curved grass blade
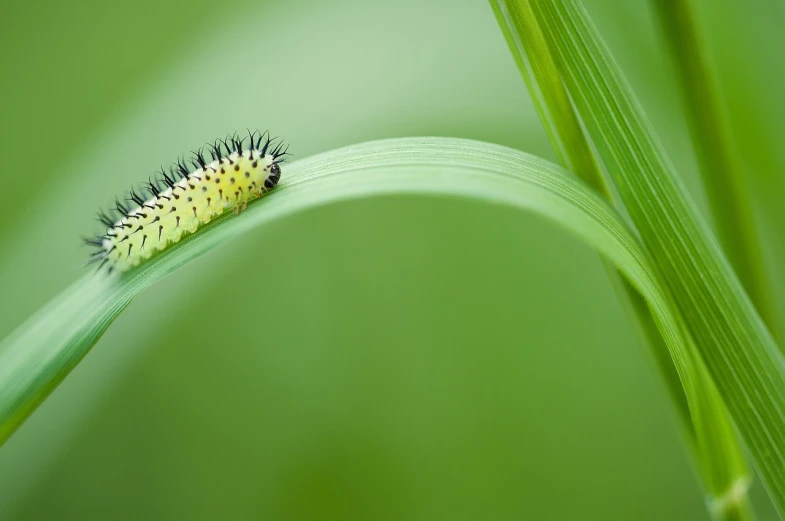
[41,353]
[738,349]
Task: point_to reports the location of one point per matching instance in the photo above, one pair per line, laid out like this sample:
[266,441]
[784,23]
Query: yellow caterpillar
[183,199]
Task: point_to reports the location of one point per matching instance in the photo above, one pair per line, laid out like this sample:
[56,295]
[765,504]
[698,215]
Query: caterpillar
[186,197]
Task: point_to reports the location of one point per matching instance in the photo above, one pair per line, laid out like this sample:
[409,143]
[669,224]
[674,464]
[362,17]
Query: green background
[392,358]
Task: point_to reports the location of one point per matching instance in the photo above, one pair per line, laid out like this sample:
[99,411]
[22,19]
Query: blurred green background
[396,358]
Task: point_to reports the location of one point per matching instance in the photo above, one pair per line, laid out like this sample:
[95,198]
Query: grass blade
[534,60]
[539,71]
[719,458]
[739,351]
[720,165]
[39,355]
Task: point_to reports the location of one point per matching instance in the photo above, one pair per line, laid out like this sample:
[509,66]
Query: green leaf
[40,354]
[720,165]
[720,459]
[739,351]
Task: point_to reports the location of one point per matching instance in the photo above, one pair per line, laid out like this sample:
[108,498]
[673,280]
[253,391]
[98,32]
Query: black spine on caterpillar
[152,188]
[215,151]
[169,181]
[198,161]
[182,169]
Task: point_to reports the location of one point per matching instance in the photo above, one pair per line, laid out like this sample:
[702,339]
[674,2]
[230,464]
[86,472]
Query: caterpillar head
[274,156]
